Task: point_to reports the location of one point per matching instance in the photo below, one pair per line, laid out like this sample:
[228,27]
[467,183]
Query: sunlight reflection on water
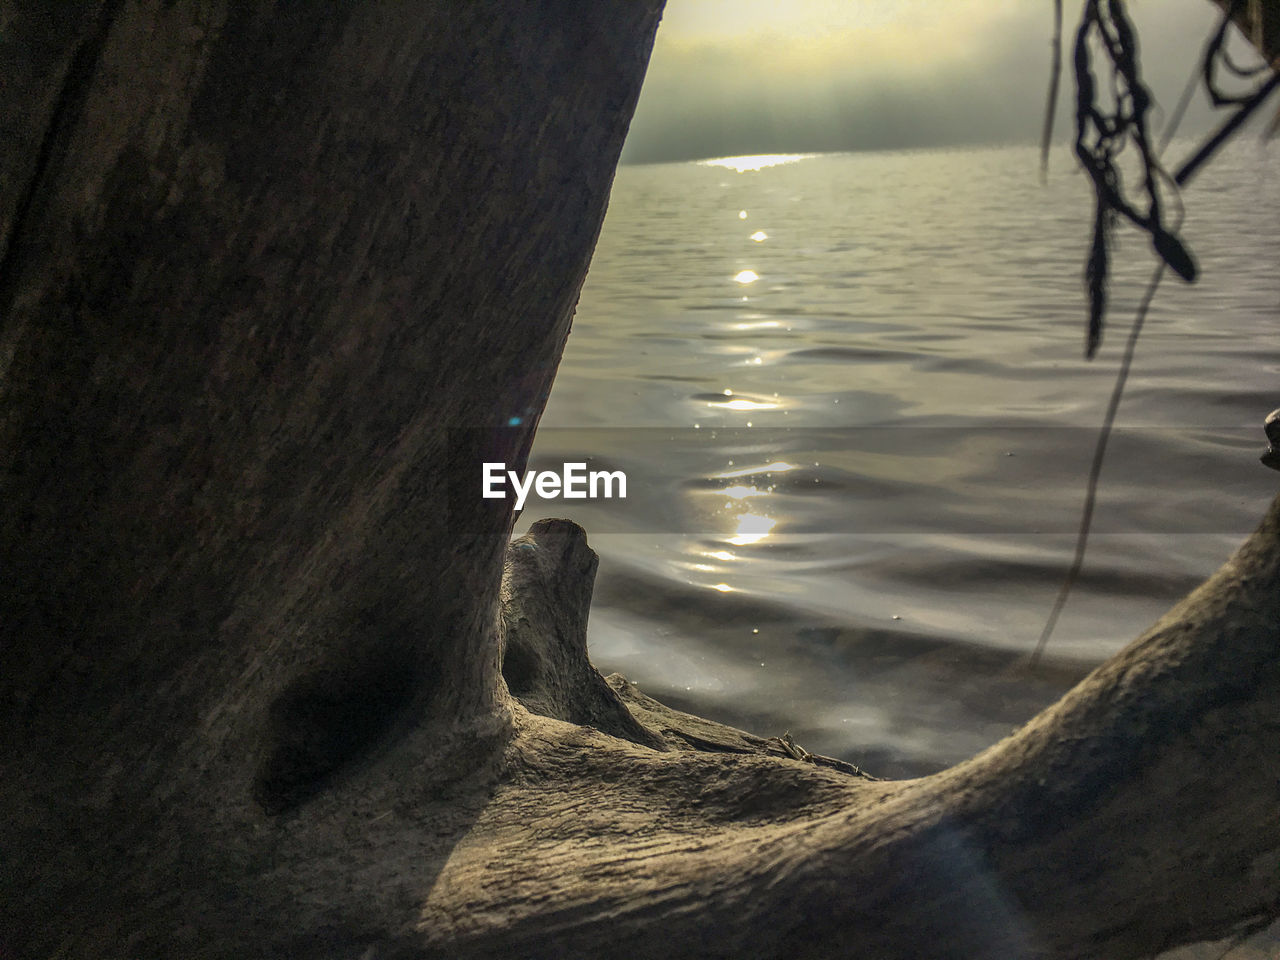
[756,162]
[903,305]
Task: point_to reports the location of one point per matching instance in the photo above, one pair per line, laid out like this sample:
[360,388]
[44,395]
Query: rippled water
[849,398]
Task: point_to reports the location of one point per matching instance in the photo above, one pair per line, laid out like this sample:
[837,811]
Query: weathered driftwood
[1137,813]
[256,261]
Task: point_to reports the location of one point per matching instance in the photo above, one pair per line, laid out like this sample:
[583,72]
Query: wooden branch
[546,597]
[1138,813]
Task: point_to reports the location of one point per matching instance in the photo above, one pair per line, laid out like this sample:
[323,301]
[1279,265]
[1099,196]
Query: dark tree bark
[260,266]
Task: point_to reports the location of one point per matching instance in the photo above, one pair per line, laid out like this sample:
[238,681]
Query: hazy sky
[765,76]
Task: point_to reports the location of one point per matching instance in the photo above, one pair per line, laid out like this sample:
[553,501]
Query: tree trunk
[270,278]
[259,262]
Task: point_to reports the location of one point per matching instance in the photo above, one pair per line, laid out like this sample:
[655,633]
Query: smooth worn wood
[1138,813]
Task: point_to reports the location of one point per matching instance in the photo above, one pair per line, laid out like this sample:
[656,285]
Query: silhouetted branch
[1100,137]
[1051,100]
[1224,133]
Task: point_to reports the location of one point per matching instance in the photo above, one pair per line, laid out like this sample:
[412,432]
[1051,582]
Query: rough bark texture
[258,261]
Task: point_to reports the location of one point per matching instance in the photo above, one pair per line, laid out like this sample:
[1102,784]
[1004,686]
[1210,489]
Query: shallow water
[849,397]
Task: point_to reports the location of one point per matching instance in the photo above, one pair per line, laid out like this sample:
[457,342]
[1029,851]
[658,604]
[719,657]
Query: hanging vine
[1102,132]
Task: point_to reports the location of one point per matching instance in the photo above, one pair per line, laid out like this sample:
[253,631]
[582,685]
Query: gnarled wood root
[1139,812]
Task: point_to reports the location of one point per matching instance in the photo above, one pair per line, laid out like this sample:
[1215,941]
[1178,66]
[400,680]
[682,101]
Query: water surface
[849,395]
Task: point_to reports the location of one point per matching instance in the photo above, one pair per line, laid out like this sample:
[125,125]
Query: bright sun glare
[750,164]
